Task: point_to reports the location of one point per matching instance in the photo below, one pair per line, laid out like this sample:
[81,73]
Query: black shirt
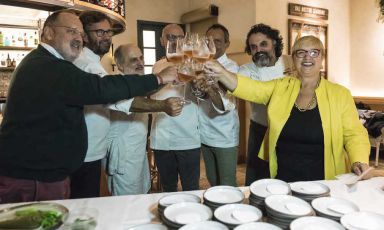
[43,135]
[300,147]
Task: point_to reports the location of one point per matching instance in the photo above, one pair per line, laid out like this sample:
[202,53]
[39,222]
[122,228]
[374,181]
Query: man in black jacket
[43,136]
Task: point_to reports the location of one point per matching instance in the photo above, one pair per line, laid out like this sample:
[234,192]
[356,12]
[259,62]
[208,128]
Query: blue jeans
[173,163]
[256,167]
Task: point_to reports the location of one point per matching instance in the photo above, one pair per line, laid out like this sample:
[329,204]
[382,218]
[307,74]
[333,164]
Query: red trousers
[14,190]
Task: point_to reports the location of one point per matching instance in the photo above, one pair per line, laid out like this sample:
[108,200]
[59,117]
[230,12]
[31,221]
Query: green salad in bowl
[37,216]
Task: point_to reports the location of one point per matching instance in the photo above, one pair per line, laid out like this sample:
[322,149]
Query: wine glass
[200,51]
[212,51]
[174,51]
[186,73]
[189,40]
[211,47]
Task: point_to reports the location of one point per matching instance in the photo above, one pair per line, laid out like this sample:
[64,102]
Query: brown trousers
[14,190]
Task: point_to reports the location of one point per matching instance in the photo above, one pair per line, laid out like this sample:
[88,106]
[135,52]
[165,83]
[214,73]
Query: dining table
[123,212]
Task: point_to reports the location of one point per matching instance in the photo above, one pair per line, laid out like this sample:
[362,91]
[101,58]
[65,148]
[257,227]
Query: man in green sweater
[43,136]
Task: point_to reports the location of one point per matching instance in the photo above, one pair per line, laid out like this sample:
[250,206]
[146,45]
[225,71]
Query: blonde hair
[308,40]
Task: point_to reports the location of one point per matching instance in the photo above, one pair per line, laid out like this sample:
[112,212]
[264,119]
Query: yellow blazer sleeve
[356,140]
[255,91]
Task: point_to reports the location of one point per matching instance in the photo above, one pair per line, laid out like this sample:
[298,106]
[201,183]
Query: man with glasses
[265,44]
[85,182]
[43,136]
[176,140]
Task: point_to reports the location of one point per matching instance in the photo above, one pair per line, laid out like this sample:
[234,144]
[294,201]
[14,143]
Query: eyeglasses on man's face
[314,53]
[172,37]
[101,32]
[70,30]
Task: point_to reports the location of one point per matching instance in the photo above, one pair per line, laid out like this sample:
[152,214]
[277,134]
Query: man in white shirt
[85,182]
[176,140]
[219,130]
[265,44]
[127,163]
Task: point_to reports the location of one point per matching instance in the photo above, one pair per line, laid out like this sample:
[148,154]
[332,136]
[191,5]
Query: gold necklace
[311,103]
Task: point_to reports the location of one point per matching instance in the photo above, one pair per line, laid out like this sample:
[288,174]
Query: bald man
[127,163]
[176,140]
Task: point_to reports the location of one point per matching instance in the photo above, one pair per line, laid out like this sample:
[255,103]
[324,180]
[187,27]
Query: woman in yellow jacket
[314,132]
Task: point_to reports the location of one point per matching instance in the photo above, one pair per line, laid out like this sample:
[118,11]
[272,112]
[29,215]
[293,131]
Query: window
[149,34]
[148,37]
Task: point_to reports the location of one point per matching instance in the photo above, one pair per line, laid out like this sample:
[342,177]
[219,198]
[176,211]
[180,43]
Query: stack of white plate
[177,215]
[363,221]
[333,208]
[168,200]
[257,226]
[150,226]
[233,215]
[309,190]
[283,209]
[205,225]
[315,223]
[217,196]
[263,188]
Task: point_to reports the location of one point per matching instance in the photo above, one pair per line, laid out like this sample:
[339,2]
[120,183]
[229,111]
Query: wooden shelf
[118,20]
[16,48]
[53,5]
[7,68]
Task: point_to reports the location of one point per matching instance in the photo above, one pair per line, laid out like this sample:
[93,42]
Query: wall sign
[307,11]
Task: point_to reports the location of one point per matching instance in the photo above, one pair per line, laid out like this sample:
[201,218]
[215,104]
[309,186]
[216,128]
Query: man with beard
[127,162]
[265,44]
[43,136]
[85,182]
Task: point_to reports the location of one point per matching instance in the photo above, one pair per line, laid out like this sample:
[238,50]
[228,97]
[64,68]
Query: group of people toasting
[303,127]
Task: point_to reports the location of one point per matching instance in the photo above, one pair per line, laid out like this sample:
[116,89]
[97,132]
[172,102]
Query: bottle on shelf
[25,40]
[3,60]
[36,39]
[1,39]
[13,64]
[9,61]
[13,43]
[7,42]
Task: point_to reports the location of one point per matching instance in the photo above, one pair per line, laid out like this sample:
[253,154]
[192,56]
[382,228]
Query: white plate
[178,198]
[224,195]
[288,205]
[315,223]
[236,214]
[332,206]
[187,212]
[363,221]
[257,226]
[267,187]
[148,227]
[205,225]
[309,188]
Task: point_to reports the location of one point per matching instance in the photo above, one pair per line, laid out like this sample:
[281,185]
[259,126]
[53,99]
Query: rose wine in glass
[211,47]
[174,51]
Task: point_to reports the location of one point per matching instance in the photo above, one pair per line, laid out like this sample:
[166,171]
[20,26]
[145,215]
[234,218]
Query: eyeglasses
[71,31]
[171,37]
[101,32]
[314,53]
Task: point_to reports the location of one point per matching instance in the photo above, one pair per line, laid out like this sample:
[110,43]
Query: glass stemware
[174,51]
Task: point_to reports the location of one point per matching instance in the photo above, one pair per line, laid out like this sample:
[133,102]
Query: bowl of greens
[36,216]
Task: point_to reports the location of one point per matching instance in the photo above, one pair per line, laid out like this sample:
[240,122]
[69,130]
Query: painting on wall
[298,28]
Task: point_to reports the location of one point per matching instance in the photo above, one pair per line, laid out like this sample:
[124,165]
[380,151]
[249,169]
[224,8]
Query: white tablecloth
[120,212]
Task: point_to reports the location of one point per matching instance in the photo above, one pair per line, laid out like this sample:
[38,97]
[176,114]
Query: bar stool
[154,173]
